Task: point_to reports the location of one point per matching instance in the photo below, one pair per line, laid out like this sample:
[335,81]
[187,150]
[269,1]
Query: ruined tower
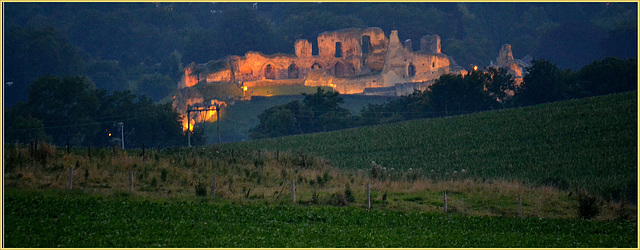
[430,44]
[505,56]
[303,48]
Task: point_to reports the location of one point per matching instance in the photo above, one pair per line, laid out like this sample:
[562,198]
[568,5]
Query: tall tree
[545,82]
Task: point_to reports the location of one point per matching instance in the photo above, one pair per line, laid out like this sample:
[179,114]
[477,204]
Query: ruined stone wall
[188,78]
[430,44]
[505,60]
[349,60]
[403,65]
[343,85]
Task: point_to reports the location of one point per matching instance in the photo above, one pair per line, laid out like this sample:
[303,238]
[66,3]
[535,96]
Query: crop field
[588,144]
[162,197]
[73,219]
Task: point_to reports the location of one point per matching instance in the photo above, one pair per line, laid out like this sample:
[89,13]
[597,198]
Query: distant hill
[586,143]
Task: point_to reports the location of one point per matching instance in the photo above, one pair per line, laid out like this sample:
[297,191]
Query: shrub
[338,199]
[201,190]
[348,195]
[163,175]
[588,205]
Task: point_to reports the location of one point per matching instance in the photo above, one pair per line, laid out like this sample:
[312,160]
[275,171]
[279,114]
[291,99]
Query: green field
[72,219]
[544,154]
[586,144]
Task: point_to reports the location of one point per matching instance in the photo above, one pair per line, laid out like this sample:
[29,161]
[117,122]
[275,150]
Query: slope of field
[72,219]
[586,144]
[241,116]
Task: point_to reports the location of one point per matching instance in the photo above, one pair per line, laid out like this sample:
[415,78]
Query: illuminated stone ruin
[352,61]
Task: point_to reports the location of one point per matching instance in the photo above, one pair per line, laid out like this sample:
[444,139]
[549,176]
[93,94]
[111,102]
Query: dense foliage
[72,110]
[117,44]
[76,220]
[318,112]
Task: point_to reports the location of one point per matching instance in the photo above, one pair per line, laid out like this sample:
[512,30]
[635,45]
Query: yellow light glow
[245,88]
[475,67]
[109,134]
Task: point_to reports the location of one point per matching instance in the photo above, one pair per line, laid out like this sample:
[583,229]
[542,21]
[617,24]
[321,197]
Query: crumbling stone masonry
[352,61]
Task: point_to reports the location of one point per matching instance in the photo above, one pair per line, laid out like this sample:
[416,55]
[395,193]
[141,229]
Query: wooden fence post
[278,155]
[213,186]
[444,195]
[293,191]
[70,183]
[368,197]
[131,181]
[520,206]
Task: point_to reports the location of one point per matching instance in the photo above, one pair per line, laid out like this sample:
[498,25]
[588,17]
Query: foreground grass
[73,219]
[588,144]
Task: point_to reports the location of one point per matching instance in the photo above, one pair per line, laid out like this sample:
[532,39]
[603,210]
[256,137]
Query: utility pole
[189,125]
[218,120]
[121,124]
[190,109]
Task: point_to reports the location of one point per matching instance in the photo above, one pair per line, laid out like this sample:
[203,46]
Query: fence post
[131,181]
[444,195]
[278,155]
[293,191]
[520,206]
[368,197]
[213,186]
[70,183]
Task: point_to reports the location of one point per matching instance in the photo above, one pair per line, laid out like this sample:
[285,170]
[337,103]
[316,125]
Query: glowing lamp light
[245,88]
[109,134]
[475,67]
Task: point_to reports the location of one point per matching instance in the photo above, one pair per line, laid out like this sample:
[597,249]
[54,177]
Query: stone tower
[505,56]
[430,44]
[303,48]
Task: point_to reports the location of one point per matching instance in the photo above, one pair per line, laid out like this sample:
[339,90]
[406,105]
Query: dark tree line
[318,112]
[454,95]
[72,110]
[120,46]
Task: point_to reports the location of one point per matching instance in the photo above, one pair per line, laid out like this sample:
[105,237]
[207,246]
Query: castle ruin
[351,61]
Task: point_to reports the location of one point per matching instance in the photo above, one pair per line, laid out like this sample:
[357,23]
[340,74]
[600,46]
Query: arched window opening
[293,71]
[338,49]
[342,69]
[316,66]
[269,73]
[411,70]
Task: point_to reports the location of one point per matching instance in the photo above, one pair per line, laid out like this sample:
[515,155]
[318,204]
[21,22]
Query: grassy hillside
[241,116]
[578,144]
